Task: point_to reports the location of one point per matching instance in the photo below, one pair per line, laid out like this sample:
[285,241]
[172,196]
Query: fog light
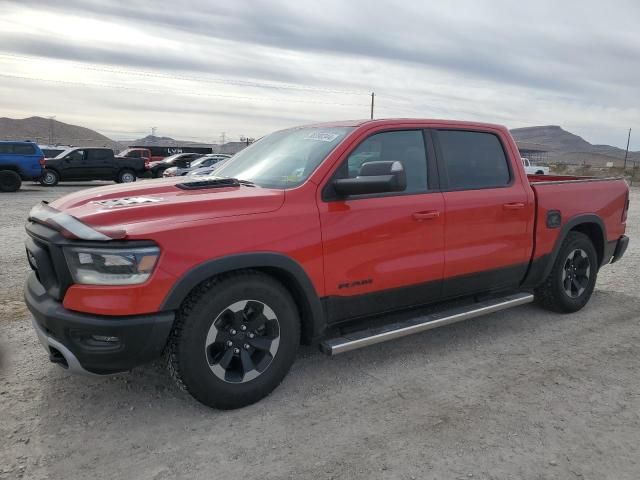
[104,338]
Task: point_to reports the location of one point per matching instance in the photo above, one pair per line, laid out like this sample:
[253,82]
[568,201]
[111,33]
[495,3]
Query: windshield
[171,158]
[64,153]
[284,159]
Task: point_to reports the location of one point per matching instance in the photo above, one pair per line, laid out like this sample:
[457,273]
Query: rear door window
[473,160]
[98,155]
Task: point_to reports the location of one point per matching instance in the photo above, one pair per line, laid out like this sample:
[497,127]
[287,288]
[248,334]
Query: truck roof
[401,121]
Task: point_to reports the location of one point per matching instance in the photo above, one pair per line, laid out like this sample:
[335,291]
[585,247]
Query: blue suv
[19,161]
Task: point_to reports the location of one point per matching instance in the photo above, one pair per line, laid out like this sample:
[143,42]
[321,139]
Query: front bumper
[93,343]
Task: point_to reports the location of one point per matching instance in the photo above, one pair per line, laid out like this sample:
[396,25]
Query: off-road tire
[551,294]
[10,181]
[186,359]
[50,178]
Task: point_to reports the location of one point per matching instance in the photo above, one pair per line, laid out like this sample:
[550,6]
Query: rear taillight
[625,210]
[42,162]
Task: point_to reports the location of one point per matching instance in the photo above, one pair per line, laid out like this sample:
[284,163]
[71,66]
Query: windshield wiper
[248,183]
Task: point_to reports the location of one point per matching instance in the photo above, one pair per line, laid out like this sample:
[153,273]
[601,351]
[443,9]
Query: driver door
[75,167]
[383,251]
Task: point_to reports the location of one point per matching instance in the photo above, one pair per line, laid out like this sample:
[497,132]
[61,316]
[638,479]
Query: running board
[364,338]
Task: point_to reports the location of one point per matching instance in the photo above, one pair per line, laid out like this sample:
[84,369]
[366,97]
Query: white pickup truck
[534,169]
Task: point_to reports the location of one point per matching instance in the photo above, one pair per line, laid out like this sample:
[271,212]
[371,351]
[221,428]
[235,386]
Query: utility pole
[51,135]
[223,136]
[373,95]
[153,131]
[626,153]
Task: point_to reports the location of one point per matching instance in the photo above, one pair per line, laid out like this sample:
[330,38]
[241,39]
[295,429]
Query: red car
[308,236]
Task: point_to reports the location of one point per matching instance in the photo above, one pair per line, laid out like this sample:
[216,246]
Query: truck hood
[136,207]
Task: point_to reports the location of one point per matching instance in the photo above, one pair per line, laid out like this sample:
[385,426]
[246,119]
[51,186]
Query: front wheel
[235,339]
[50,178]
[570,284]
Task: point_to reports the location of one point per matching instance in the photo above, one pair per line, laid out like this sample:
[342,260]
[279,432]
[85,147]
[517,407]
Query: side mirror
[374,177]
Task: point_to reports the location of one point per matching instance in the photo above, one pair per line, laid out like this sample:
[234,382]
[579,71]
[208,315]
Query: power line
[212,95]
[146,73]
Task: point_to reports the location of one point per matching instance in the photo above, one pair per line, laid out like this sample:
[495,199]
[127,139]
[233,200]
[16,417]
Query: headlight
[111,266]
[170,172]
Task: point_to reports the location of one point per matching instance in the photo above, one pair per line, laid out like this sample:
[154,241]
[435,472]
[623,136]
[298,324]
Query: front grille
[47,260]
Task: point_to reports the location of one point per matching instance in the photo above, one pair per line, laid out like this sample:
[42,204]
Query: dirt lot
[522,394]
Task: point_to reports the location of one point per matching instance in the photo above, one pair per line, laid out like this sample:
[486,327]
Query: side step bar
[364,338]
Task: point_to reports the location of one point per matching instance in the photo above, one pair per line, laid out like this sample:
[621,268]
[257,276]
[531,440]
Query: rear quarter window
[473,160]
[17,149]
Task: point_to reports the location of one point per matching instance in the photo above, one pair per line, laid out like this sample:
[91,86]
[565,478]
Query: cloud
[522,64]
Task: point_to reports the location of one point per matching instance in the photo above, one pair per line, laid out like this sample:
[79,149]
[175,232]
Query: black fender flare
[541,267]
[284,268]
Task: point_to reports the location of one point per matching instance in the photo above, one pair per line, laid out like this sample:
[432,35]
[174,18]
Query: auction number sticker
[322,136]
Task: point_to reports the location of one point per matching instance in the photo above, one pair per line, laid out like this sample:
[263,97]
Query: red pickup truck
[309,236]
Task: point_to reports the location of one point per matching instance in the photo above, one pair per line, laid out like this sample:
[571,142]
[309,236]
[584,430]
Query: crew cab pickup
[312,235]
[91,164]
[143,153]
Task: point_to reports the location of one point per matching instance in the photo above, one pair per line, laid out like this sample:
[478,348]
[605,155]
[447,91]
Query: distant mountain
[566,147]
[553,137]
[43,130]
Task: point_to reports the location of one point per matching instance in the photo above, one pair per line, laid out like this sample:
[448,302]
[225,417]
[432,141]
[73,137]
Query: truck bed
[594,199]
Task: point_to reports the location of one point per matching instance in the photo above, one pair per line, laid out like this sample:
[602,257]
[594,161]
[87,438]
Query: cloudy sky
[195,69]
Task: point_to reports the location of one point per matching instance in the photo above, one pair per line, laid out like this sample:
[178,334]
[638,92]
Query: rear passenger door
[100,164]
[488,214]
[383,251]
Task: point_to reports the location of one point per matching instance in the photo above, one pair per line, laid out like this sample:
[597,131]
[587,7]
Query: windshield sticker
[322,136]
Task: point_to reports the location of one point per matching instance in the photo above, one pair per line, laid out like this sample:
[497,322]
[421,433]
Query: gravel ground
[520,394]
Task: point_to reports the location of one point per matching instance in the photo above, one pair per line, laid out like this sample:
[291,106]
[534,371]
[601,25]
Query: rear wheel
[126,176]
[50,178]
[235,339]
[539,172]
[570,284]
[10,181]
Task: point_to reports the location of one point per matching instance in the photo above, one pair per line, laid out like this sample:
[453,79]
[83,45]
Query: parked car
[19,161]
[91,164]
[227,275]
[202,162]
[534,169]
[205,171]
[179,159]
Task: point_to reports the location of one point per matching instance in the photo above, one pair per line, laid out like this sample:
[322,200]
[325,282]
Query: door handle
[419,216]
[513,206]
